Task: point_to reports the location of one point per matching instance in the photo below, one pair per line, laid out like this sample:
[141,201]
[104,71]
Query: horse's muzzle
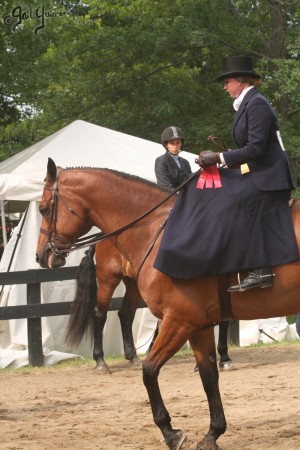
[49,260]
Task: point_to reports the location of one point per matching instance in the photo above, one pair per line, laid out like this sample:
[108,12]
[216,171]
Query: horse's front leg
[170,339]
[131,301]
[203,345]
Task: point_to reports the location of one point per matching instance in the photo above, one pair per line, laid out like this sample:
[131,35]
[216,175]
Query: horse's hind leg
[104,295]
[225,362]
[203,345]
[126,314]
[100,316]
[170,339]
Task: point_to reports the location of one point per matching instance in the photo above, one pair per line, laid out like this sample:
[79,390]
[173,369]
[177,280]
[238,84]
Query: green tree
[137,66]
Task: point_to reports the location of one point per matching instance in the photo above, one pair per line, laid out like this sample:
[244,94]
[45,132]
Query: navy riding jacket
[255,131]
[167,172]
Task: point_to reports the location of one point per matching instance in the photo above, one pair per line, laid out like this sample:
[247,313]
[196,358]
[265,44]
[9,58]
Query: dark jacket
[168,174]
[255,130]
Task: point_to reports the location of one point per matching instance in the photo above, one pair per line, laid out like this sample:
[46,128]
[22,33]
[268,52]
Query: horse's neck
[114,201]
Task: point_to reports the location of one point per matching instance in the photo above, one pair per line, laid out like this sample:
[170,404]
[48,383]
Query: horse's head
[63,218]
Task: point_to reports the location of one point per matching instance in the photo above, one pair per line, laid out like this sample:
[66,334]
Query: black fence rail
[34,310]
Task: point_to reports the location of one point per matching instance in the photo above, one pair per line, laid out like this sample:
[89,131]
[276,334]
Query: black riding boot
[262,278]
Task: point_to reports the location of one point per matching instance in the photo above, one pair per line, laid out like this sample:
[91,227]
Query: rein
[65,249]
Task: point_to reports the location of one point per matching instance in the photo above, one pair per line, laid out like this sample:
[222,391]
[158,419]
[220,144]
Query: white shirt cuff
[222,159]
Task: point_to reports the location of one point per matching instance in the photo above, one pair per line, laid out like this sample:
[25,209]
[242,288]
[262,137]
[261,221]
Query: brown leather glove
[208,158]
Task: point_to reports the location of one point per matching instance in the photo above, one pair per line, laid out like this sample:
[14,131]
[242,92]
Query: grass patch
[284,343]
[88,362]
[291,319]
[69,364]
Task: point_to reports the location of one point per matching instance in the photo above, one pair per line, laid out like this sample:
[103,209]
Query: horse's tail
[81,319]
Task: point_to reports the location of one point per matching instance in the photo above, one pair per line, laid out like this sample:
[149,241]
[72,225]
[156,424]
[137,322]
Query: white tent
[79,144]
[21,179]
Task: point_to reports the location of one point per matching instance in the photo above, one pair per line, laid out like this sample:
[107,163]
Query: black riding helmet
[171,133]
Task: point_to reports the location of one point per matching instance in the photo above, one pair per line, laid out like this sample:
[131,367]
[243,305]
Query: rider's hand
[208,158]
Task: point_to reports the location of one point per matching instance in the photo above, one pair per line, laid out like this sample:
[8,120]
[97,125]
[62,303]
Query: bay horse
[75,199]
[94,290]
[95,286]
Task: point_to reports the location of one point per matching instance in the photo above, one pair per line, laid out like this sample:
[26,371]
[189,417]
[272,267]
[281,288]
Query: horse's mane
[125,175]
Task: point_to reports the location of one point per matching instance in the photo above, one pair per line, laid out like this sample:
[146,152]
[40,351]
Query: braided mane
[124,175]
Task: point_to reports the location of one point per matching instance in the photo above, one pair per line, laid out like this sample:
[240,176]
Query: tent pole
[15,247]
[19,235]
[3,222]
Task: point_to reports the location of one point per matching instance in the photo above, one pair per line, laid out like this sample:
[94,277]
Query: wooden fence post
[34,328]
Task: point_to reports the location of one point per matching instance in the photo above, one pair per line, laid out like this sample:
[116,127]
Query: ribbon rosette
[209,178]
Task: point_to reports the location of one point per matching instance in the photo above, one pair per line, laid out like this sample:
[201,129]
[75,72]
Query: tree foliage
[138,66]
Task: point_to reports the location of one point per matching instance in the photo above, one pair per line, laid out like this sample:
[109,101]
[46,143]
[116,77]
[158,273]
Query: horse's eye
[44,211]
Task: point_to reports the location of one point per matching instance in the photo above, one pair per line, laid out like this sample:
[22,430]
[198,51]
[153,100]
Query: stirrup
[242,286]
[239,283]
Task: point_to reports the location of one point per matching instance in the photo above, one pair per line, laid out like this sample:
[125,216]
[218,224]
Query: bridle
[63,249]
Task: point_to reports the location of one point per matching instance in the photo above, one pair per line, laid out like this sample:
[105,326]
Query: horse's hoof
[177,441]
[227,365]
[208,443]
[137,364]
[102,369]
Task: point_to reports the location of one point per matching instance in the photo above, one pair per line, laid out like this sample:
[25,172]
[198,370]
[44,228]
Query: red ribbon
[209,178]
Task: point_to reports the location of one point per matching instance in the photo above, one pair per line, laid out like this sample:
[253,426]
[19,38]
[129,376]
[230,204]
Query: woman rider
[243,222]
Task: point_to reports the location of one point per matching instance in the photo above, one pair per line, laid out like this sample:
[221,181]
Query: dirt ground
[76,408]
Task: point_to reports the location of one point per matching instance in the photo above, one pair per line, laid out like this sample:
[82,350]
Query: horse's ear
[51,169]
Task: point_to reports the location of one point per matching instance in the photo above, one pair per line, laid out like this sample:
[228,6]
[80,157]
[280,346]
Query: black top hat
[237,66]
